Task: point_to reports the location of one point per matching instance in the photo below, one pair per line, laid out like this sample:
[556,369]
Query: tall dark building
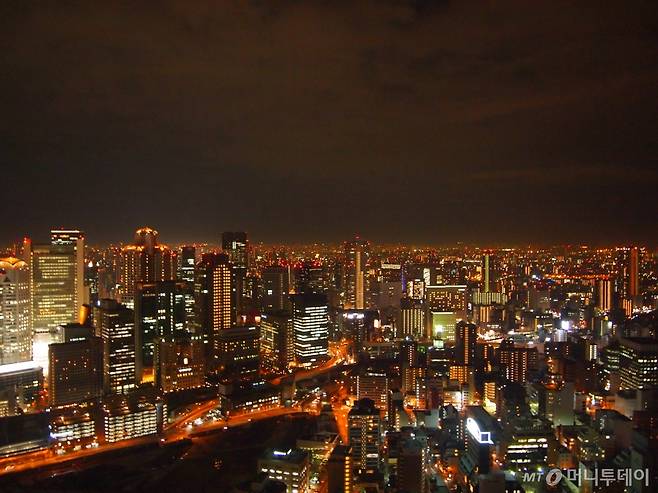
[634,272]
[76,371]
[238,352]
[236,247]
[187,263]
[213,300]
[277,345]
[408,356]
[179,362]
[160,311]
[275,288]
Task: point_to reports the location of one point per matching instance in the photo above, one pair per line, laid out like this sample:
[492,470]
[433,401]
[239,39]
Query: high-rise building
[236,246]
[518,360]
[76,239]
[56,284]
[634,272]
[489,277]
[408,352]
[604,288]
[311,328]
[214,308]
[117,328]
[76,371]
[238,352]
[187,269]
[638,363]
[179,362]
[364,429]
[160,311]
[145,261]
[412,314]
[15,329]
[187,263]
[356,260]
[275,288]
[465,342]
[56,289]
[277,344]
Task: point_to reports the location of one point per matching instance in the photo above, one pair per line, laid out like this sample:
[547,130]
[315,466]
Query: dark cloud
[413,121]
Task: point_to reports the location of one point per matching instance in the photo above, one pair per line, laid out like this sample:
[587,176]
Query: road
[177,430]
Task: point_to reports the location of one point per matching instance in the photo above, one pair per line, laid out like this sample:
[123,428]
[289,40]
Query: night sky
[419,122]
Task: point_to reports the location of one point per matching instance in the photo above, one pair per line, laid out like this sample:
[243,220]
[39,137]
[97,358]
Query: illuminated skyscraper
[488,272]
[15,329]
[144,261]
[604,294]
[412,315]
[214,308]
[76,239]
[311,329]
[57,288]
[57,283]
[117,328]
[356,260]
